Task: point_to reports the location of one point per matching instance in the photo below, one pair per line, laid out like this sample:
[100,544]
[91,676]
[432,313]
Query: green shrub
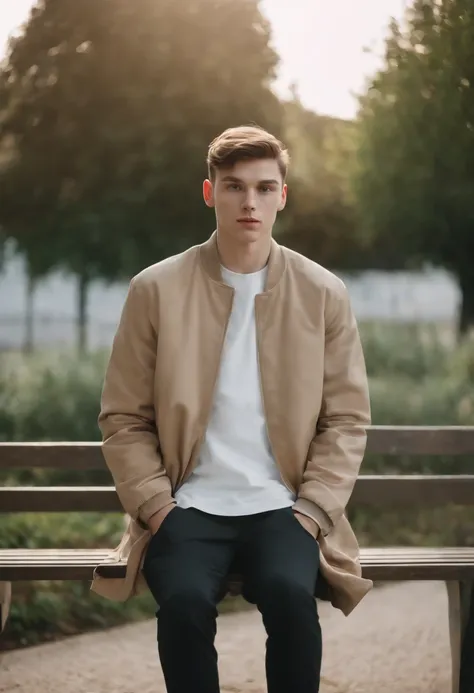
[416,376]
[443,526]
[400,401]
[414,351]
[42,611]
[461,365]
[52,396]
[60,530]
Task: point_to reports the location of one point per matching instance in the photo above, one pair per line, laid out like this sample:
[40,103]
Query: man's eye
[266,189]
[233,186]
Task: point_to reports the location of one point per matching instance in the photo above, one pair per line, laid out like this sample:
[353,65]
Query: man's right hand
[155,520]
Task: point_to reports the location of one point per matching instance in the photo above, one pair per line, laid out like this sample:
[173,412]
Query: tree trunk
[29,340]
[466,313]
[82,291]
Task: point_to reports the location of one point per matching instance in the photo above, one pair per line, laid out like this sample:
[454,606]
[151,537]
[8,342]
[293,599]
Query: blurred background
[106,111]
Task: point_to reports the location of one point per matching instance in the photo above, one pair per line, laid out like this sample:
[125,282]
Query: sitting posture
[234,415]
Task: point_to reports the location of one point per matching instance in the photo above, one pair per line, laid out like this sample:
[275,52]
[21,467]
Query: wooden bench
[453,565]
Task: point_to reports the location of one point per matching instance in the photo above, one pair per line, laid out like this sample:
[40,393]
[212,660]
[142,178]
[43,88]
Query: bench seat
[387,563]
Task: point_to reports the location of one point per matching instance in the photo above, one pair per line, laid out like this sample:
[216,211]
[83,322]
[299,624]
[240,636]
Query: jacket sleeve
[130,441]
[337,449]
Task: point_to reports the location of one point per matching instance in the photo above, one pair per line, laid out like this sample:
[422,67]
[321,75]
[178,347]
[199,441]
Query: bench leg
[5,599]
[466,678]
[461,632]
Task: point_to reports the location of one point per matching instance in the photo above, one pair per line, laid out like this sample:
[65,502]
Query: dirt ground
[396,640]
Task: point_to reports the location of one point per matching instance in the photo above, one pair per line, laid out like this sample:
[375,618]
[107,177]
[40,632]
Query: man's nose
[249,202]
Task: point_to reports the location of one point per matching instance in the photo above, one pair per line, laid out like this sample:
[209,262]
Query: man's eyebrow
[231,179]
[234,179]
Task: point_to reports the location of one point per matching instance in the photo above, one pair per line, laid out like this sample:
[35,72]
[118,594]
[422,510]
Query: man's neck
[244,259]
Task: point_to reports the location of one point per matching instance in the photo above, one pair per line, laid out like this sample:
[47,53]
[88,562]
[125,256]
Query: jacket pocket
[162,531]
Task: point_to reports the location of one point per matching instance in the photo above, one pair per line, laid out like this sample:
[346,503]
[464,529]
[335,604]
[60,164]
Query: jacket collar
[209,256]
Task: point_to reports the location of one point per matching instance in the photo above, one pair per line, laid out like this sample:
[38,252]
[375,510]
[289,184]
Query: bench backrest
[374,490]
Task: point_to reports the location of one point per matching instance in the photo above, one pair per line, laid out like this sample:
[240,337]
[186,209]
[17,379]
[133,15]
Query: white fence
[431,296]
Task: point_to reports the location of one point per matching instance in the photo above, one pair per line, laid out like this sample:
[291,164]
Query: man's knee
[188,604]
[283,591]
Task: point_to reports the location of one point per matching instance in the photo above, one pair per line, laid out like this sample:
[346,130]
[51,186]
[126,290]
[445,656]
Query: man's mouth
[248,220]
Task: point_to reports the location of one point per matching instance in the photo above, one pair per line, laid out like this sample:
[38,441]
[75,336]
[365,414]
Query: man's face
[247,199]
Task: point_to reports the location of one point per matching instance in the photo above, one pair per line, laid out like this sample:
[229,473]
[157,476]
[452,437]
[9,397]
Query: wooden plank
[55,564]
[466,677]
[80,571]
[53,553]
[389,440]
[461,634]
[455,631]
[395,553]
[376,572]
[60,561]
[402,564]
[425,565]
[5,601]
[379,557]
[56,555]
[413,490]
[80,456]
[59,499]
[377,491]
[421,440]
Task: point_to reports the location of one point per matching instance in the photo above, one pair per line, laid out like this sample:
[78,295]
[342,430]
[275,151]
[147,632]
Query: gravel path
[396,640]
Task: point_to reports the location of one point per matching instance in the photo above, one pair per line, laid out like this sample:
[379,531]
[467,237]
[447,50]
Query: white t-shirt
[236,473]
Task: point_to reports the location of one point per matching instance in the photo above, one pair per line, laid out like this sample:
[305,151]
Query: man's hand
[155,520]
[308,524]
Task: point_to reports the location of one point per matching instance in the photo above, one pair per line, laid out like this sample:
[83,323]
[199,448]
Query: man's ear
[208,193]
[284,196]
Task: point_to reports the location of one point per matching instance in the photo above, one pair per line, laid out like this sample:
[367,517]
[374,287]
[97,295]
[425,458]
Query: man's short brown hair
[245,143]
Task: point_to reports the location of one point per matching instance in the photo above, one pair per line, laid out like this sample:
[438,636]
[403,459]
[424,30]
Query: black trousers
[185,567]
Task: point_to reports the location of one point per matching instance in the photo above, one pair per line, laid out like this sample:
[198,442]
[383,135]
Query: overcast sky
[321,43]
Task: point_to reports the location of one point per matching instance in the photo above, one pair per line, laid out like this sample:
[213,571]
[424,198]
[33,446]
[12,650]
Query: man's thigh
[190,552]
[277,548]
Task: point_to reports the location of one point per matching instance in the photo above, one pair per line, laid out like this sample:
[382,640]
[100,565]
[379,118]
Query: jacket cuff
[154,505]
[313,511]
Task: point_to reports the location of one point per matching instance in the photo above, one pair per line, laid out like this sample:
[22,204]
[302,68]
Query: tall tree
[25,218]
[110,106]
[414,182]
[319,220]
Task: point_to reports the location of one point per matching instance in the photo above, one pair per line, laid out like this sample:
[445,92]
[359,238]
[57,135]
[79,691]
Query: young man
[234,416]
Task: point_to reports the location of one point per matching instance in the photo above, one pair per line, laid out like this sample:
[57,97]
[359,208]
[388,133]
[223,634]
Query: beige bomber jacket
[158,392]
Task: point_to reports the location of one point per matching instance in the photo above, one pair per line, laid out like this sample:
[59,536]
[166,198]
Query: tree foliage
[108,108]
[414,180]
[319,220]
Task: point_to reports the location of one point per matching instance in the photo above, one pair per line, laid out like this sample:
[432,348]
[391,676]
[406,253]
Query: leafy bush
[42,611]
[53,396]
[414,351]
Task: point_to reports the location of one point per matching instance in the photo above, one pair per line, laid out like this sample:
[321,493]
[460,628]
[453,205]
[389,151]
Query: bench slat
[394,563]
[416,490]
[421,440]
[389,440]
[379,553]
[380,491]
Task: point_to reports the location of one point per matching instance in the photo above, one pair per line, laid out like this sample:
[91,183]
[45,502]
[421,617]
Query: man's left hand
[308,524]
